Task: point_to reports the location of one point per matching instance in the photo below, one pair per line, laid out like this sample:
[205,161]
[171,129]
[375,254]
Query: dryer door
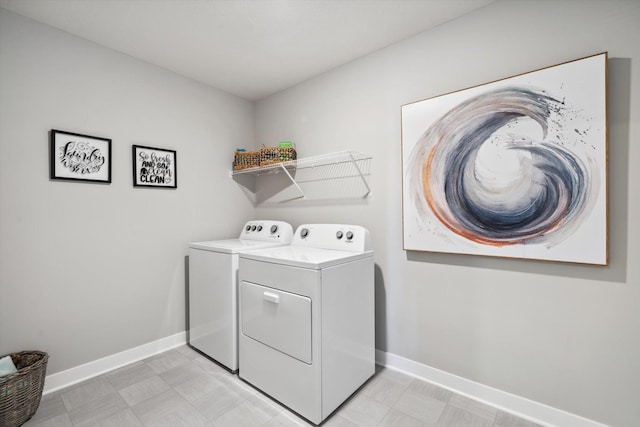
[278,319]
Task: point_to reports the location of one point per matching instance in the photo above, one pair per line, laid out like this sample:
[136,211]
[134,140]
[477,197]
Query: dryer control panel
[342,237]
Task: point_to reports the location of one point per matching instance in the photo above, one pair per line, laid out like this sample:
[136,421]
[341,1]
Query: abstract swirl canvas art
[514,168]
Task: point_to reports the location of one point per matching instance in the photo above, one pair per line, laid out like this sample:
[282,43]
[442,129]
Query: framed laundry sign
[513,168]
[154,167]
[78,157]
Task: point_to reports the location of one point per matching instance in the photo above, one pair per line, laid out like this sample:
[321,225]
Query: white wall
[559,334]
[90,270]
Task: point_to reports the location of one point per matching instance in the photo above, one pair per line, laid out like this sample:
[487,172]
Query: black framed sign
[154,167]
[78,157]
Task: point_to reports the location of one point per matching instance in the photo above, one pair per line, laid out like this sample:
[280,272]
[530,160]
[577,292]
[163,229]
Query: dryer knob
[339,235]
[248,228]
[304,233]
[253,228]
[349,235]
[259,228]
[274,228]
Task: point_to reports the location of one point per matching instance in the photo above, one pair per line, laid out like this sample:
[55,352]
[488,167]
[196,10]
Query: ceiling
[250,48]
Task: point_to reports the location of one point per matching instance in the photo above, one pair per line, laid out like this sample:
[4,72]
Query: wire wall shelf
[342,164]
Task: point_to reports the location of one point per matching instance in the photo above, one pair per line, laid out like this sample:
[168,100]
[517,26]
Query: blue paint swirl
[489,171]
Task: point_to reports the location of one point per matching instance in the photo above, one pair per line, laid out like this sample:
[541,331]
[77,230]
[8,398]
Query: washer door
[278,319]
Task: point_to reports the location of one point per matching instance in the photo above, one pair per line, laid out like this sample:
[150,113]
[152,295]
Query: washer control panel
[353,238]
[267,230]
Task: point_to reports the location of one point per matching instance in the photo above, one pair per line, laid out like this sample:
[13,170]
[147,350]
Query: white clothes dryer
[307,322]
[213,288]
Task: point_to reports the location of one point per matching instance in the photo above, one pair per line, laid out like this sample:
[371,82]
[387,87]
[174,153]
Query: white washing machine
[307,326]
[213,287]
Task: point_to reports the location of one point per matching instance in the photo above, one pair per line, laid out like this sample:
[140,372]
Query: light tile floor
[182,388]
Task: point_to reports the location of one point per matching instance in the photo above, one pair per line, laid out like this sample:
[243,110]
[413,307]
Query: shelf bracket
[364,181]
[293,181]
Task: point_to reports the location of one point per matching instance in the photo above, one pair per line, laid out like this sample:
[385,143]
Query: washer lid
[305,257]
[232,246]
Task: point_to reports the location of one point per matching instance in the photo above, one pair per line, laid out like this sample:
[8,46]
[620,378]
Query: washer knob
[274,228]
[259,228]
[253,228]
[349,235]
[339,235]
[304,233]
[248,228]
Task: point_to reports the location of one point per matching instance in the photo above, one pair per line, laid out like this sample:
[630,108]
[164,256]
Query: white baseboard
[516,405]
[80,373]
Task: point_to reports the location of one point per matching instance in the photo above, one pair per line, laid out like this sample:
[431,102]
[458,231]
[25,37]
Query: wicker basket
[246,159]
[21,391]
[273,155]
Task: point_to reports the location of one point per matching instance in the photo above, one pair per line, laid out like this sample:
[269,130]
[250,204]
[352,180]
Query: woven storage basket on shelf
[21,391]
[273,155]
[246,159]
